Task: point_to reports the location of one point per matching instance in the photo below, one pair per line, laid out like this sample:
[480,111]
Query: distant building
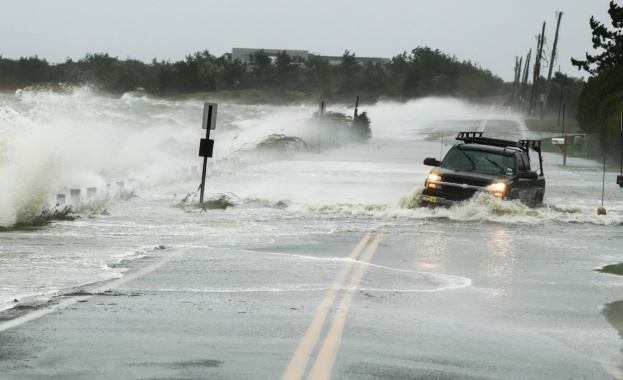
[244,55]
[299,56]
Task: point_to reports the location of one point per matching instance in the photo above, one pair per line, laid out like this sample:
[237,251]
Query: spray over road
[323,266]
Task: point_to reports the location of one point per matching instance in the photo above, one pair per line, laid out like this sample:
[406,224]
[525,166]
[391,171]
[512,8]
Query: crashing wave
[271,146]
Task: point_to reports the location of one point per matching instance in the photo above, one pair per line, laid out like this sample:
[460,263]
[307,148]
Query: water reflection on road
[498,260]
[487,289]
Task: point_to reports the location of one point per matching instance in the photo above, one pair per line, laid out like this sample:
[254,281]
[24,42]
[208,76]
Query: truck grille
[451,187]
[468,181]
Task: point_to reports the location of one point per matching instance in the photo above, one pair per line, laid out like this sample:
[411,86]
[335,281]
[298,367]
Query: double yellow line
[325,359]
[483,123]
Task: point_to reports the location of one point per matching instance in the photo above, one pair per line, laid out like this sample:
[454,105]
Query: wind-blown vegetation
[601,101]
[422,72]
[47,215]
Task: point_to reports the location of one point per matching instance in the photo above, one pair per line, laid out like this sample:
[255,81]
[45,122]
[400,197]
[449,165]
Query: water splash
[72,137]
[483,207]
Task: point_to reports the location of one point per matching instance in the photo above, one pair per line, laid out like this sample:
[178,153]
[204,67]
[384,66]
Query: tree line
[419,73]
[600,104]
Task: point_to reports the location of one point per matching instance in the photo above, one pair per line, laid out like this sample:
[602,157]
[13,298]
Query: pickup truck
[500,167]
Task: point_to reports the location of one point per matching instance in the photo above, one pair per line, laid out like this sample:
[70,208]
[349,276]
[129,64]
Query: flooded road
[276,285]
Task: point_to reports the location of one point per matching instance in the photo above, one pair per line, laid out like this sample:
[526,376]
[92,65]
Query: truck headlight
[434,177]
[497,189]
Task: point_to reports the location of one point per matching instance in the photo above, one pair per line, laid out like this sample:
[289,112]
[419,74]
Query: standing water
[141,156]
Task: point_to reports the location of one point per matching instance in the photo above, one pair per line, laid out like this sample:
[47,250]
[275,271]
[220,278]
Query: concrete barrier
[91,193]
[75,197]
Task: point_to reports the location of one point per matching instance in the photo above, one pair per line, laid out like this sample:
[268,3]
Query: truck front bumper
[429,200]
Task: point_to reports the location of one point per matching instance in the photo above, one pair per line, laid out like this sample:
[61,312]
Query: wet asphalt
[199,313]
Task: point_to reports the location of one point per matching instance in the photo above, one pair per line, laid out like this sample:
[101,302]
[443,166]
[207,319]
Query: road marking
[482,126]
[326,356]
[72,300]
[483,123]
[301,356]
[328,352]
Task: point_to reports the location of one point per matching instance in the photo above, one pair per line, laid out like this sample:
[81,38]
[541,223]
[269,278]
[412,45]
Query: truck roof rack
[476,138]
[525,145]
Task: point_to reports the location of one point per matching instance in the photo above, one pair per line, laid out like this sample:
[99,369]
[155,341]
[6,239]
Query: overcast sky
[490,33]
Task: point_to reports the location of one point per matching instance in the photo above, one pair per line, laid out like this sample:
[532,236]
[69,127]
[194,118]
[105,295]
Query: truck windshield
[479,161]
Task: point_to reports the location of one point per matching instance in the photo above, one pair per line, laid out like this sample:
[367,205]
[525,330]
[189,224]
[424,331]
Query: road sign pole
[206,146]
[321,112]
[203,173]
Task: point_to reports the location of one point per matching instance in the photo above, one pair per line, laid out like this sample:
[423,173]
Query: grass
[586,149]
[612,269]
[614,315]
[217,202]
[552,125]
[220,202]
[46,216]
[278,142]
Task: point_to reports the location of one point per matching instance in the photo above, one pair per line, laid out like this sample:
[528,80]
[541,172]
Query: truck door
[527,187]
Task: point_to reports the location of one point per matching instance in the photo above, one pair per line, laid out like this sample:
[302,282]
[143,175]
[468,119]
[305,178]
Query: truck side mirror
[530,175]
[431,161]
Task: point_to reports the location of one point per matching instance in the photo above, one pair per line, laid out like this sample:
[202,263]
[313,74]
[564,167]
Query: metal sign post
[321,112]
[206,146]
[620,177]
[564,147]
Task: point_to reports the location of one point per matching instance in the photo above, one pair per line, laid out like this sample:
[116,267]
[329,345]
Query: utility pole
[551,63]
[517,82]
[537,71]
[559,108]
[524,83]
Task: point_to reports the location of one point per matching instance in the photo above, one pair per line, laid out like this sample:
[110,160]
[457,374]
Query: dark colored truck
[500,167]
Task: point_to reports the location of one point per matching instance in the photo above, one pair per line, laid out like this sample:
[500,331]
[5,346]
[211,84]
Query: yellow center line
[326,357]
[483,124]
[301,356]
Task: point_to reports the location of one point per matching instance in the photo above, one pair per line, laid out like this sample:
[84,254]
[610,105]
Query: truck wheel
[538,199]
